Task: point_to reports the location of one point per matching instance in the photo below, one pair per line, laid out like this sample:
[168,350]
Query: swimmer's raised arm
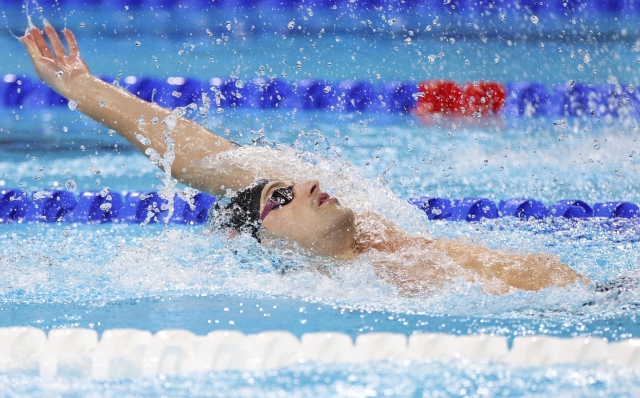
[116,108]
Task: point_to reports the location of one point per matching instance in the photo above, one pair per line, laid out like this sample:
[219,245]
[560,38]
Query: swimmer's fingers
[72,43]
[41,43]
[30,45]
[56,44]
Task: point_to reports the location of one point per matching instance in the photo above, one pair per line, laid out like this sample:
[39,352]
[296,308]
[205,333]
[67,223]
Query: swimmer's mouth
[324,198]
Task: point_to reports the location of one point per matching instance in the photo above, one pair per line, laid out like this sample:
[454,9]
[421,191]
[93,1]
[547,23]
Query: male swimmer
[298,211]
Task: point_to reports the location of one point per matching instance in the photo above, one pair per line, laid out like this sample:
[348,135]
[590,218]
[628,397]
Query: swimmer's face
[313,219]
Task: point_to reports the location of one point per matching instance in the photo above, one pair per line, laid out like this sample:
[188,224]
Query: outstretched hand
[53,65]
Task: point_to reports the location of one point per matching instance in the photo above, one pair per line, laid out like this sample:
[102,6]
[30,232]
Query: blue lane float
[471,8]
[524,99]
[473,209]
[571,209]
[616,210]
[523,208]
[93,207]
[434,208]
[97,207]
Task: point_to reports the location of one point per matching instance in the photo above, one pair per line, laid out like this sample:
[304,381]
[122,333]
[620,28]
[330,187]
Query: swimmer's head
[312,218]
[241,213]
[303,214]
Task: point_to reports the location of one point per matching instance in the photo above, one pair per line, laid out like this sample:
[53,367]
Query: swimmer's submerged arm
[131,117]
[522,271]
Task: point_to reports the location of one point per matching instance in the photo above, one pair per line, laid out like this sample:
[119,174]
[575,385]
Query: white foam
[126,353]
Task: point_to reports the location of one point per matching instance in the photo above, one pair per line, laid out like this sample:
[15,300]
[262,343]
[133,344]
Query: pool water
[183,277]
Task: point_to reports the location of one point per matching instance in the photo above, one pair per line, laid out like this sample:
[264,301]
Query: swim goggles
[279,198]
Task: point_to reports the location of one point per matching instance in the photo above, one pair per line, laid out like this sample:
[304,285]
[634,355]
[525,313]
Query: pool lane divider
[129,353]
[426,99]
[470,9]
[96,207]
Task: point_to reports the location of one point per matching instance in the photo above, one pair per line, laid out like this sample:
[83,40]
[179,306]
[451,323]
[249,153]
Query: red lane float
[444,98]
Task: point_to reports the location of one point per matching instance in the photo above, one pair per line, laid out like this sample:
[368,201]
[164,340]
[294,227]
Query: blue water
[154,278]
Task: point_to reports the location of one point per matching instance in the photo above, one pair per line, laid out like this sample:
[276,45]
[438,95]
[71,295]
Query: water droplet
[137,44]
[428,28]
[239,83]
[220,110]
[327,89]
[587,58]
[82,148]
[632,154]
[111,132]
[534,19]
[73,105]
[176,94]
[208,32]
[59,73]
[228,25]
[596,146]
[105,206]
[82,24]
[310,12]
[65,129]
[291,25]
[39,195]
[144,140]
[101,103]
[407,40]
[391,21]
[559,122]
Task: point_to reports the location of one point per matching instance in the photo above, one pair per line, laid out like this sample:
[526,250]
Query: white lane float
[127,353]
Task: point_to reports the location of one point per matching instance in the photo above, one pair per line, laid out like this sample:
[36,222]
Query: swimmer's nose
[307,188]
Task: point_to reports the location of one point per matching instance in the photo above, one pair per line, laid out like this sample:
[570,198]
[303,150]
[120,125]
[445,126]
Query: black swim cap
[242,212]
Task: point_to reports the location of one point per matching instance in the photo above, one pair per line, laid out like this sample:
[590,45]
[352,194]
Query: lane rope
[127,353]
[96,207]
[424,99]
